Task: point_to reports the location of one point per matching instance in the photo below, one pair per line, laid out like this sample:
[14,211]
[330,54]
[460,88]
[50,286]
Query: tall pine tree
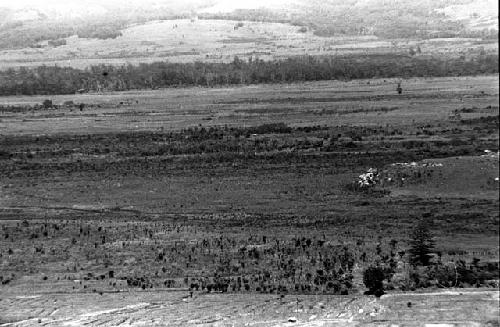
[422,244]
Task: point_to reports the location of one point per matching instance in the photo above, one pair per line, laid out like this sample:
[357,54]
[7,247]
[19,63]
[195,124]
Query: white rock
[292,319]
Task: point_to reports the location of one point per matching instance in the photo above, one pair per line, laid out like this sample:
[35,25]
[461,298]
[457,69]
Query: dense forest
[65,80]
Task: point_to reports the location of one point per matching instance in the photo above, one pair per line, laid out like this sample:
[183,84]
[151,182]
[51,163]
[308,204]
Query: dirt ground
[463,307]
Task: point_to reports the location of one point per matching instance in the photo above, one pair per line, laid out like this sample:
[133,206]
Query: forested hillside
[26,27]
[385,19]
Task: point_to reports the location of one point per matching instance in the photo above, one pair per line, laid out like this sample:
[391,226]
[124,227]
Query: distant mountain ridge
[60,9]
[25,23]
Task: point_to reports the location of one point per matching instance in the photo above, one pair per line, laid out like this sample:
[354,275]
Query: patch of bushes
[57,43]
[355,187]
[452,274]
[278,128]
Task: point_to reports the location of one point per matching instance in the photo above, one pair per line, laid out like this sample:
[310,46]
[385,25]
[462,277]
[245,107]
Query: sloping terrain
[190,41]
[216,31]
[219,41]
[476,15]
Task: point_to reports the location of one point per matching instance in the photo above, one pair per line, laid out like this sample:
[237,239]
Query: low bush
[373,278]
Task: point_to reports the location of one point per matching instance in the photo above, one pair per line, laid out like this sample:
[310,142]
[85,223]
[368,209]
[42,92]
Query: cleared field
[221,41]
[331,103]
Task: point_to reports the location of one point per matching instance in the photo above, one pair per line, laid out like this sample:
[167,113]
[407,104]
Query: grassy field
[245,197]
[220,41]
[331,103]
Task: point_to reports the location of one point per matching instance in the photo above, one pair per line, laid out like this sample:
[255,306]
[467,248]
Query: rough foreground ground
[456,307]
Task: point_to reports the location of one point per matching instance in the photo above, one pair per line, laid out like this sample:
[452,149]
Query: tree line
[66,80]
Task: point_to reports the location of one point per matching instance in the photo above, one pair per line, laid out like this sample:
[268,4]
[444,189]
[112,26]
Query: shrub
[4,154]
[47,104]
[56,43]
[373,278]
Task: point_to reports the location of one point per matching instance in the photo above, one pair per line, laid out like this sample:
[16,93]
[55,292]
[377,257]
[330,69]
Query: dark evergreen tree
[422,244]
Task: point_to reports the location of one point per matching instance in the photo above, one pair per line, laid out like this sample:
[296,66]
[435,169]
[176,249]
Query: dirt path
[469,307]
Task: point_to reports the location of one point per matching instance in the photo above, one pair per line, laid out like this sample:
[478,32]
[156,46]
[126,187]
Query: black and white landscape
[249,163]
